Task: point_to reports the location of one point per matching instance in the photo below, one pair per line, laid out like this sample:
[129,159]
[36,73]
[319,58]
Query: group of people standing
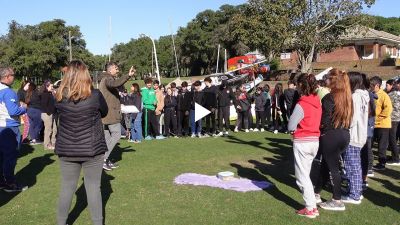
[337,121]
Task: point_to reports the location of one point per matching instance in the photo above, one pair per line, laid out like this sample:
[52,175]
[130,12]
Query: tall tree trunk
[305,60]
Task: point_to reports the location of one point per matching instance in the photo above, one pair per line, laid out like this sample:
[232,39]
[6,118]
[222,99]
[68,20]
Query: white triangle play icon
[200,112]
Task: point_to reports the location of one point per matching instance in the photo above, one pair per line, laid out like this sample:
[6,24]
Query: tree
[41,50]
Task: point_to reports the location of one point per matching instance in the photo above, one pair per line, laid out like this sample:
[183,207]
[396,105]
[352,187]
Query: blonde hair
[341,93]
[76,83]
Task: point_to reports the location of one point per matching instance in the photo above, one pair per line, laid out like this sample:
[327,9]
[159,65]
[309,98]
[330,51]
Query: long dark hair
[307,84]
[137,89]
[356,81]
[29,92]
[44,86]
[278,90]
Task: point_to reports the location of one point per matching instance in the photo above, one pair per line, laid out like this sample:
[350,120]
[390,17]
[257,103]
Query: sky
[129,19]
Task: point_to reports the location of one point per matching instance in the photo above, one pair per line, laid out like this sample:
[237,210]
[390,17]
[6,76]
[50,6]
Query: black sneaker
[14,188]
[106,167]
[379,166]
[112,165]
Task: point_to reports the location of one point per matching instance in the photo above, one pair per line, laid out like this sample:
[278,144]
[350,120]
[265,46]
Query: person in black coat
[80,143]
[170,103]
[210,103]
[225,97]
[197,97]
[183,110]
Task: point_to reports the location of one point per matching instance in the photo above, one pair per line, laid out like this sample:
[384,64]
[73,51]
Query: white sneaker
[247,130]
[318,198]
[275,131]
[205,135]
[255,130]
[262,130]
[220,134]
[251,129]
[226,133]
[236,130]
[193,136]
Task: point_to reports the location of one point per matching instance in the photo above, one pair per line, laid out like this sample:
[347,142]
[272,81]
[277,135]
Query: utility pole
[216,69]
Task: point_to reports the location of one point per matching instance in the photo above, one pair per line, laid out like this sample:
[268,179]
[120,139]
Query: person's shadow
[81,199]
[116,154]
[28,175]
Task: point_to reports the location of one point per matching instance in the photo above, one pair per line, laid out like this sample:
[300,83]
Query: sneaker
[307,213]
[318,198]
[50,147]
[333,205]
[364,185]
[262,130]
[236,130]
[35,142]
[315,211]
[112,165]
[226,133]
[255,130]
[220,134]
[206,135]
[379,166]
[393,163]
[275,131]
[251,129]
[130,140]
[14,187]
[160,137]
[137,142]
[247,130]
[106,167]
[200,136]
[193,136]
[348,199]
[148,138]
[370,173]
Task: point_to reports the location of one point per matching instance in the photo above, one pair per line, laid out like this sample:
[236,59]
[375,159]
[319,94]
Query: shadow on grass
[394,174]
[116,154]
[384,199]
[81,199]
[280,167]
[28,175]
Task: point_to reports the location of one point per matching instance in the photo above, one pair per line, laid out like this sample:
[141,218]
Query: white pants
[304,154]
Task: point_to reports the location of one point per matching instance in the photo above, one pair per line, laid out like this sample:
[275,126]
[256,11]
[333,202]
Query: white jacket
[359,123]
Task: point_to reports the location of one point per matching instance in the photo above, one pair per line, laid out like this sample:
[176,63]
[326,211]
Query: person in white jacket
[358,138]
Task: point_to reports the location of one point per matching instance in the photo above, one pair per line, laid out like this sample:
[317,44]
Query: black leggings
[260,119]
[223,117]
[367,157]
[333,143]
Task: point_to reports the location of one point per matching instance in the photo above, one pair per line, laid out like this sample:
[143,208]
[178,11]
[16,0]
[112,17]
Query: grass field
[142,191]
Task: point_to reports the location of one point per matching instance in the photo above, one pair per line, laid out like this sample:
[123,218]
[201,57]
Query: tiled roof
[362,33]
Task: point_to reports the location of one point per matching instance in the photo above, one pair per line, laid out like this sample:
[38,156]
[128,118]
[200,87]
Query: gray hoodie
[359,123]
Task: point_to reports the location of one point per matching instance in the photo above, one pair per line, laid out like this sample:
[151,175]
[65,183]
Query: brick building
[361,43]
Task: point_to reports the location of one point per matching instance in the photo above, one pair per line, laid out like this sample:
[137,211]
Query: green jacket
[149,98]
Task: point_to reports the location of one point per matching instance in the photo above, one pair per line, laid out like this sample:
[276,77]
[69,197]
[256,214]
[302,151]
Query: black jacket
[210,97]
[225,96]
[184,101]
[259,101]
[170,102]
[197,97]
[34,101]
[47,103]
[291,98]
[328,108]
[80,130]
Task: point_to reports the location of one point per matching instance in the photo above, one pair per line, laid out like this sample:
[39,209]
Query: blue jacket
[9,107]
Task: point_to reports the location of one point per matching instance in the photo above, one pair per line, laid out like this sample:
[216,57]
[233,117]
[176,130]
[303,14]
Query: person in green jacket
[149,105]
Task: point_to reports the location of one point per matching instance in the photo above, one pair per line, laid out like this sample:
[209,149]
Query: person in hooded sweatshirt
[358,138]
[304,126]
[260,101]
[224,98]
[170,103]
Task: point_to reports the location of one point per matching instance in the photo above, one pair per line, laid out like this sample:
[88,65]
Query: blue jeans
[10,139]
[136,132]
[35,123]
[195,126]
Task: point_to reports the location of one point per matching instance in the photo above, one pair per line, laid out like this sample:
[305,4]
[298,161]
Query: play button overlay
[200,112]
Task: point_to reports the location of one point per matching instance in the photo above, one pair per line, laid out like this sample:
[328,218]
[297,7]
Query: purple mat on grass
[236,184]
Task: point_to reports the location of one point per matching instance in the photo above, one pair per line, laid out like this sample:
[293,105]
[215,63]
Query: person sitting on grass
[304,125]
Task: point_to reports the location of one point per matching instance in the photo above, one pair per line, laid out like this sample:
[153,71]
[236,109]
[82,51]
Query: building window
[285,55]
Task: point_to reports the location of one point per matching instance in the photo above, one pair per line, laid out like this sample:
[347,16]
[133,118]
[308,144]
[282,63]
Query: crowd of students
[88,126]
[336,121]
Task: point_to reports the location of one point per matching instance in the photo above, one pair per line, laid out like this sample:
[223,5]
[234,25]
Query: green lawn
[142,191]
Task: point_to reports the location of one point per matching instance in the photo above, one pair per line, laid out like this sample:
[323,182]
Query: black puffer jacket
[80,130]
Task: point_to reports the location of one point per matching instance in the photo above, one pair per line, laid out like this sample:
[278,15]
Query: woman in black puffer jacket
[80,142]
